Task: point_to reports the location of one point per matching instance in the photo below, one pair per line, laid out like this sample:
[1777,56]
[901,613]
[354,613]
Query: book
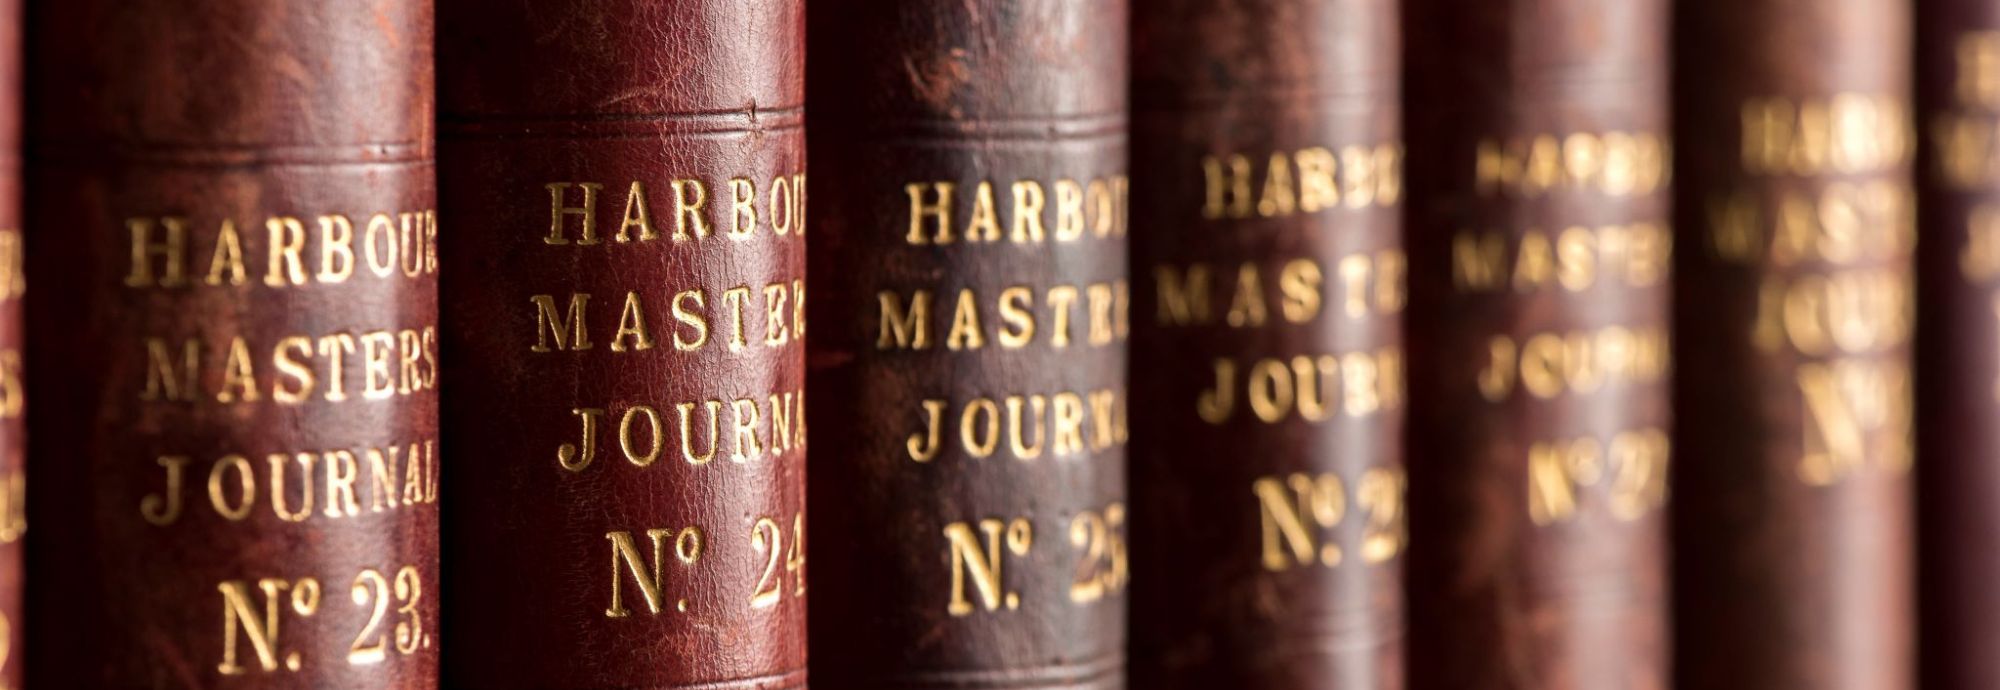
[232,227]
[1793,314]
[629,402]
[1268,394]
[13,404]
[968,366]
[1958,330]
[1540,276]
[1541,261]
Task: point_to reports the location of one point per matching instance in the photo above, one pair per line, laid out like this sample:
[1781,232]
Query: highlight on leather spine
[233,230]
[1793,314]
[968,368]
[13,426]
[1540,280]
[1268,388]
[1958,332]
[629,332]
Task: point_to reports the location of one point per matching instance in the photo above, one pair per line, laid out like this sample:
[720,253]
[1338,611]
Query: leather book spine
[232,224]
[1794,309]
[629,341]
[1540,278]
[1958,332]
[13,422]
[1267,356]
[968,366]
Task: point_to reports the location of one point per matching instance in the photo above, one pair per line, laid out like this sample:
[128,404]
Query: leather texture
[1958,443]
[1532,565]
[13,423]
[1021,94]
[1264,92]
[1793,532]
[669,95]
[268,558]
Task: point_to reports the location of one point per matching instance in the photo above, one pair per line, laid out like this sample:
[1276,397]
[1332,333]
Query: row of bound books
[1171,344]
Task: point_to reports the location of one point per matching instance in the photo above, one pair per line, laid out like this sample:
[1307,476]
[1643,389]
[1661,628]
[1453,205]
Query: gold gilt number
[409,589]
[766,593]
[1103,569]
[795,560]
[768,538]
[1380,496]
[371,588]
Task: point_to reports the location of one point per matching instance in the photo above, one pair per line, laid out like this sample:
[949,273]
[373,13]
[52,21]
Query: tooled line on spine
[233,155]
[1103,667]
[782,680]
[623,125]
[1367,91]
[987,129]
[1370,630]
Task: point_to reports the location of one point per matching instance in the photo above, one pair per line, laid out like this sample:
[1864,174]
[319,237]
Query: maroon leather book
[1793,314]
[1268,380]
[968,366]
[233,230]
[627,333]
[1958,334]
[13,424]
[1540,276]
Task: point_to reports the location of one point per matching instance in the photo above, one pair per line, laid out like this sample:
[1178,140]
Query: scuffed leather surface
[1212,77]
[906,91]
[612,92]
[1497,601]
[1777,584]
[237,109]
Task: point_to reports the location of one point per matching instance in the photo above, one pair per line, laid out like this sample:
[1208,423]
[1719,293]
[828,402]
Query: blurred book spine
[1541,360]
[1793,535]
[1267,365]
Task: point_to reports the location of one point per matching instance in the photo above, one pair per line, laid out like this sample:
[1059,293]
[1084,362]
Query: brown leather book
[627,336]
[968,363]
[1793,316]
[1540,277]
[1958,334]
[1268,379]
[232,227]
[13,424]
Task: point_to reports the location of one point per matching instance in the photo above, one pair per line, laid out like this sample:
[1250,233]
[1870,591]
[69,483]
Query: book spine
[13,423]
[1793,314]
[233,230]
[1958,332]
[969,366]
[1267,476]
[630,342]
[1540,279]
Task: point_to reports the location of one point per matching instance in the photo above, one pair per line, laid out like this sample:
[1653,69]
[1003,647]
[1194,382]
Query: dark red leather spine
[1958,334]
[628,336]
[1793,313]
[968,363]
[1268,395]
[1540,274]
[13,425]
[232,227]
